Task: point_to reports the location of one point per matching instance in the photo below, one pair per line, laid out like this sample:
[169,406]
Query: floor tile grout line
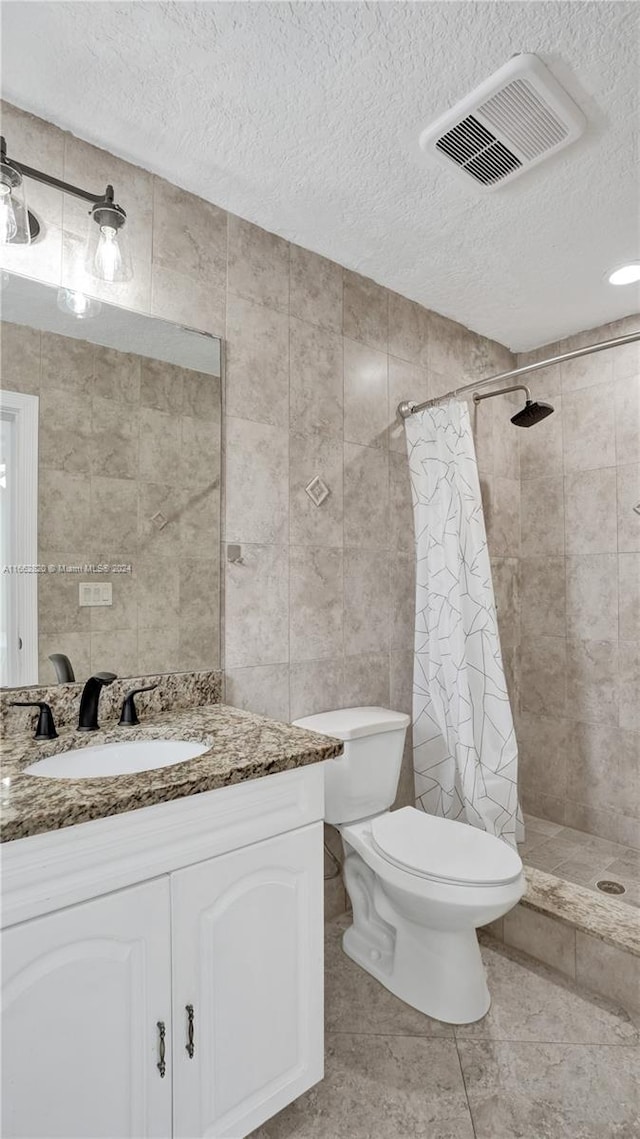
[486,1039]
[464,1084]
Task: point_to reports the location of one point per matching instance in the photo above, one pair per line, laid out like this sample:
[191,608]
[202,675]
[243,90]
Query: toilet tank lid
[351,723]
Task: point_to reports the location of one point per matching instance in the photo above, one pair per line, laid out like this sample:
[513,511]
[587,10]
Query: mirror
[109,491]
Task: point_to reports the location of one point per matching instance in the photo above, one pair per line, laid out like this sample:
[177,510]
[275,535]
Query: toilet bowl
[419,885]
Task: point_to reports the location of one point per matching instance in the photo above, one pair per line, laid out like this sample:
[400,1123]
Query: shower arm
[407,408]
[503,391]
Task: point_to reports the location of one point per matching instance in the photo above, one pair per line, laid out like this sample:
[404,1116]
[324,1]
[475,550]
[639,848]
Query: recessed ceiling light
[626,274]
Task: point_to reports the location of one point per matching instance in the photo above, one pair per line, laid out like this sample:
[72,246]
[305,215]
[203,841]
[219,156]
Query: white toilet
[419,885]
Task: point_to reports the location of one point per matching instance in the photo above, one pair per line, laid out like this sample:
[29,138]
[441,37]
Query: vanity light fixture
[625,274]
[106,250]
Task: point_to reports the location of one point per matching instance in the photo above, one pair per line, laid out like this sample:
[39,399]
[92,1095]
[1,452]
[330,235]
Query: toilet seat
[443,850]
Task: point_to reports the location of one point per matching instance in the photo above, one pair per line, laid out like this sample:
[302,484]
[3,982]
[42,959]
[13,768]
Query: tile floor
[547,1062]
[580,857]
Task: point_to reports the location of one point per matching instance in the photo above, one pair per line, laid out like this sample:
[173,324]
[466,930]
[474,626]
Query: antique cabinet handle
[162,1067]
[190,1046]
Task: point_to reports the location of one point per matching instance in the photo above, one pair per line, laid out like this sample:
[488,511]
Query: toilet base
[438,973]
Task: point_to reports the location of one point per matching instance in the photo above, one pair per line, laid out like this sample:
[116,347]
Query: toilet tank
[364,779]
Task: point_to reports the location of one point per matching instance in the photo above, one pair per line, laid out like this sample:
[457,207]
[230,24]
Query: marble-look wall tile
[258,264]
[315,686]
[257,607]
[316,603]
[627,418]
[590,512]
[366,496]
[316,380]
[66,441]
[365,395]
[501,499]
[366,680]
[366,311]
[116,375]
[66,365]
[402,599]
[543,747]
[542,937]
[408,330]
[589,428]
[592,672]
[401,527]
[542,596]
[542,526]
[543,665]
[586,371]
[257,482]
[310,456]
[316,289]
[628,496]
[406,382]
[629,594]
[602,768]
[607,970]
[592,597]
[629,685]
[189,235]
[263,689]
[366,600]
[257,362]
[20,348]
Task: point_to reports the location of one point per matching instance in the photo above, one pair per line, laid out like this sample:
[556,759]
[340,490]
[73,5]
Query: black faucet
[129,715]
[46,728]
[88,720]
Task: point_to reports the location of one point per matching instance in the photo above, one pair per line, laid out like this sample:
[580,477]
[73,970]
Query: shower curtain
[464,746]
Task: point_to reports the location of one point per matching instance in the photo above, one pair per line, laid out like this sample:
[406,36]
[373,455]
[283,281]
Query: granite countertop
[241,746]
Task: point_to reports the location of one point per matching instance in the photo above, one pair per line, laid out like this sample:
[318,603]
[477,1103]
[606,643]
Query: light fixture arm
[49,180]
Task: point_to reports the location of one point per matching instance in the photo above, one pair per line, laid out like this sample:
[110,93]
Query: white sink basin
[116,759]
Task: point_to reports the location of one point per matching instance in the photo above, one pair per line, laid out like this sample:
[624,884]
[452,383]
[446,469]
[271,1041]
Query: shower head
[531,413]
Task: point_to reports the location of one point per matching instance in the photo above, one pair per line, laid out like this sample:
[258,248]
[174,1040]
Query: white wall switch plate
[94,593]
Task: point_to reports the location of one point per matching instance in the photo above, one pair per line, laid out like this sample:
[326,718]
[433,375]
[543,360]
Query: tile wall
[579,723]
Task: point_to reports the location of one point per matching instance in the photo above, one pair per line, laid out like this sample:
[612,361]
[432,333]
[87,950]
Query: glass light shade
[14,217]
[107,256]
[78,305]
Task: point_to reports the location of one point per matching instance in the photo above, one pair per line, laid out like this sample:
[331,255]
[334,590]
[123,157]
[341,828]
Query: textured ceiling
[304,118]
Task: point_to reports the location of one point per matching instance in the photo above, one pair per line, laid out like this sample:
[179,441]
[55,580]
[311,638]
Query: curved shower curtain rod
[407,408]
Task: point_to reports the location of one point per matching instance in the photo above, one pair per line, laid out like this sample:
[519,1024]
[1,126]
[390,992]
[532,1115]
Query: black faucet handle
[105,677]
[129,715]
[45,728]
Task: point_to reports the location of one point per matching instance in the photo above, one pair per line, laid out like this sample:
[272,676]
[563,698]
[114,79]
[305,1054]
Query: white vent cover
[509,123]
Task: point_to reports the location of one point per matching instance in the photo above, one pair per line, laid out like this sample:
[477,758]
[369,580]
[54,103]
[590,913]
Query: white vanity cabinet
[82,991]
[219,955]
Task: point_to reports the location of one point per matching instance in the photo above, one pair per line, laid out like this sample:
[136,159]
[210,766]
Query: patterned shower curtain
[465,755]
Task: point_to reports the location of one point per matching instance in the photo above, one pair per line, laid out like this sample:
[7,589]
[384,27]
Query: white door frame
[23,409]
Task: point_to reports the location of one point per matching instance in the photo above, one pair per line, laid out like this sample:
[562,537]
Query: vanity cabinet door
[248,960]
[82,992]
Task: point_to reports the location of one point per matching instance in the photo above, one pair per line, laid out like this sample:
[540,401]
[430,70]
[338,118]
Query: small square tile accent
[317,490]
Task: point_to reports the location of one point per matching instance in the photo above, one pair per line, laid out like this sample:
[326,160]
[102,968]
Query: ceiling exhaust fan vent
[512,121]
